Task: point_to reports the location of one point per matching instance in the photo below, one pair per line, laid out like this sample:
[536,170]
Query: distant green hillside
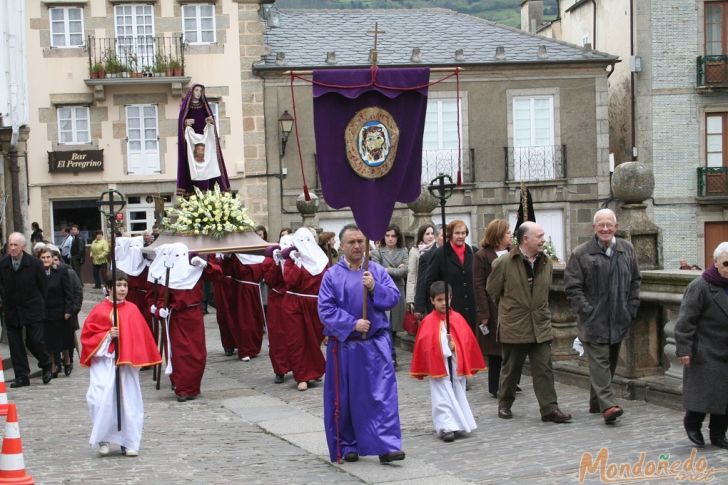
[505,12]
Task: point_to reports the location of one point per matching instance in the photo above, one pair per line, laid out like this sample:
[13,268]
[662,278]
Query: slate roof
[305,36]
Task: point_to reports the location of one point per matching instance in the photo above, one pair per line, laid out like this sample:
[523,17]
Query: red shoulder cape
[136,344]
[427,358]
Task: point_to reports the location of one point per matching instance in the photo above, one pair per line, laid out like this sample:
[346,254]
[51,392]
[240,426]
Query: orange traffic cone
[12,465]
[3,392]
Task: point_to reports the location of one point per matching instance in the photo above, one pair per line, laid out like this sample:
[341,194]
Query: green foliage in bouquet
[209,213]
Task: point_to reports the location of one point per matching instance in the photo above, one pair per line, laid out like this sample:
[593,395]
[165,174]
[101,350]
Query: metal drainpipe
[15,182]
[632,80]
[594,25]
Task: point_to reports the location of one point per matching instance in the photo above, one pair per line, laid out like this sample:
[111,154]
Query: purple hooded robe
[360,376]
[188,110]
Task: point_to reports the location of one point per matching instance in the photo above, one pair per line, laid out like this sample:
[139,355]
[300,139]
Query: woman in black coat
[701,337]
[58,310]
[458,264]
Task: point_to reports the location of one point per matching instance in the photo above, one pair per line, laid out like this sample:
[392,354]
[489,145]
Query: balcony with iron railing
[445,161]
[713,182]
[535,163]
[136,60]
[712,71]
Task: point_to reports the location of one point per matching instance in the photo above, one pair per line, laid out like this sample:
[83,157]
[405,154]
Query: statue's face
[197,92]
[374,140]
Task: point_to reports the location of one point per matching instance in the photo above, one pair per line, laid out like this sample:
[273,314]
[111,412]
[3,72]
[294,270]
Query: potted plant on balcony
[134,66]
[160,65]
[175,66]
[97,71]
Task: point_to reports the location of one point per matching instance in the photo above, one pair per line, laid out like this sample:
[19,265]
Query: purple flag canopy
[338,96]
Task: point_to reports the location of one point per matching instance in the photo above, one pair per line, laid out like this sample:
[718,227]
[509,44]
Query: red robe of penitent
[304,331]
[247,308]
[427,357]
[222,290]
[187,333]
[136,344]
[139,288]
[277,345]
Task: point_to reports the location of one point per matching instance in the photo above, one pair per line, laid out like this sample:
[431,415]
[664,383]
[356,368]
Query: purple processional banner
[369,140]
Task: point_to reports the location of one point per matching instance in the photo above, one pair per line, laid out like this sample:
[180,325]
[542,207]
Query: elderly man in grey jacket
[602,283]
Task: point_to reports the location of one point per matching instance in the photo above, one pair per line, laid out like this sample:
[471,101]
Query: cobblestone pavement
[246,429]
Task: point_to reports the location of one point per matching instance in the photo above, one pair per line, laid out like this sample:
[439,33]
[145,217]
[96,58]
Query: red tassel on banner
[306,195]
[460,178]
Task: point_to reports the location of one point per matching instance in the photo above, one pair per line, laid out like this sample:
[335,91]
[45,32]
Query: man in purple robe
[361,414]
[196,126]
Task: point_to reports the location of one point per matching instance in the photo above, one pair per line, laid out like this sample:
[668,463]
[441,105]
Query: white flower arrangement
[209,213]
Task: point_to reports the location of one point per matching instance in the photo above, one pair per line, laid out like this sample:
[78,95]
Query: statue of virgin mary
[199,157]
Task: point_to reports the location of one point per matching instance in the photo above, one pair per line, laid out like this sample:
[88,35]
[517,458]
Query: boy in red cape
[450,408]
[136,348]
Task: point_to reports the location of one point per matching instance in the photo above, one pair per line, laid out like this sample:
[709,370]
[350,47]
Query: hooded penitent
[182,275]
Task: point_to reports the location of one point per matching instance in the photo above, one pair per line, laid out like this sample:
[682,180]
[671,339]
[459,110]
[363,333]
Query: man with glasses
[602,282]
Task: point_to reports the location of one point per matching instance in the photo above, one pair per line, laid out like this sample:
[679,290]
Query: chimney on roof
[416,55]
[588,46]
[500,53]
[531,15]
[280,58]
[459,55]
[331,57]
[542,54]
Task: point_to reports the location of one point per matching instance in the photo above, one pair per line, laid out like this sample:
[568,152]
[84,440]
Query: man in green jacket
[519,285]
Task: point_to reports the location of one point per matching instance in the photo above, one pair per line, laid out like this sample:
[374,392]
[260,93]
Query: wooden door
[715,233]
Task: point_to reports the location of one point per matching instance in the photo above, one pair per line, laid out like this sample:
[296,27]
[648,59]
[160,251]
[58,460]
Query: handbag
[410,323]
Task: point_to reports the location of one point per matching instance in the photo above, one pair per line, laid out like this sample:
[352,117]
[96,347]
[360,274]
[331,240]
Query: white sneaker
[104,448]
[245,359]
[131,452]
[302,386]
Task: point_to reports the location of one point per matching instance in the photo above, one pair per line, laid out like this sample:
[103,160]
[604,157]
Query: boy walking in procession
[135,346]
[434,347]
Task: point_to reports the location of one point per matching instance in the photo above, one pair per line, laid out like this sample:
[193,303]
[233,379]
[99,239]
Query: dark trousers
[542,374]
[494,370]
[603,360]
[76,265]
[718,423]
[99,275]
[35,343]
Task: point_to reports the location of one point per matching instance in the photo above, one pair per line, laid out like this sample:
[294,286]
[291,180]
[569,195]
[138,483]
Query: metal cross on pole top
[441,188]
[374,52]
[110,204]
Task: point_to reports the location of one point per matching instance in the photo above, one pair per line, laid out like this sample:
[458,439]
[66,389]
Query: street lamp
[285,126]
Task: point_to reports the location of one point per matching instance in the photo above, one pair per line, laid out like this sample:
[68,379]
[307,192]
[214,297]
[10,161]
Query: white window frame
[554,225]
[76,114]
[142,161]
[442,158]
[140,41]
[66,21]
[197,17]
[526,149]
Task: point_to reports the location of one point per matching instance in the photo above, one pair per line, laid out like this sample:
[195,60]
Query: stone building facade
[124,119]
[677,87]
[510,80]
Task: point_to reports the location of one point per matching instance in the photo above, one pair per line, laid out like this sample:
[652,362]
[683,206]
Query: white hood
[129,256]
[182,275]
[312,257]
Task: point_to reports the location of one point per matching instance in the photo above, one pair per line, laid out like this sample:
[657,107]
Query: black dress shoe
[518,389]
[20,383]
[719,441]
[67,369]
[390,457]
[448,437]
[557,416]
[278,379]
[351,457]
[185,398]
[505,413]
[696,436]
[229,352]
[47,376]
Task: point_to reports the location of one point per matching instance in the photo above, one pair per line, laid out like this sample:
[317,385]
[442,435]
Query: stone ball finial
[309,207]
[633,182]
